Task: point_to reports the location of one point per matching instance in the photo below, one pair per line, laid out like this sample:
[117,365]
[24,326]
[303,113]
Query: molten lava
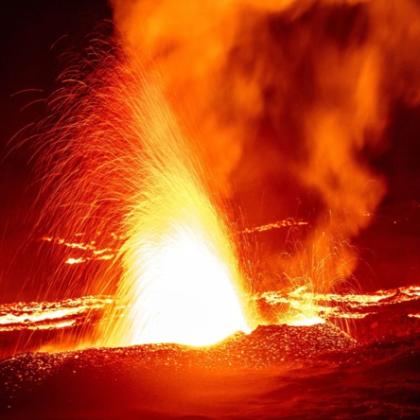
[180,278]
[183,291]
[68,324]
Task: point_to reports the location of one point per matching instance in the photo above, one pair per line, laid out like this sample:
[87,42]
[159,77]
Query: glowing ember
[276,225]
[302,320]
[89,250]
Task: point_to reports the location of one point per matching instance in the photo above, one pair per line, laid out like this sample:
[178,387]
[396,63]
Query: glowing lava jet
[131,169]
[181,276]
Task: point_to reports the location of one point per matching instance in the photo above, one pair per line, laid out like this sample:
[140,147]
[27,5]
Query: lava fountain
[131,169]
[223,108]
[180,278]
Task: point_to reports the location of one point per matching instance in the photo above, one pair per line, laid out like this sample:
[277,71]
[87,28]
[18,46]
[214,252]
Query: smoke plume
[286,101]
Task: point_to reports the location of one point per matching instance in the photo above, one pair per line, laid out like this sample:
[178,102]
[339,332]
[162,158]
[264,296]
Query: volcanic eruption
[205,178]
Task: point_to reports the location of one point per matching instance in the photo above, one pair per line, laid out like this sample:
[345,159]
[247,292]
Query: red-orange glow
[49,315]
[158,145]
[181,281]
[281,224]
[72,261]
[174,264]
[311,307]
[219,68]
[303,309]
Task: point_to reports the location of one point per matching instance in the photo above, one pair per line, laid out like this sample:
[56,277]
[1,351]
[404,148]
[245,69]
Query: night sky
[37,36]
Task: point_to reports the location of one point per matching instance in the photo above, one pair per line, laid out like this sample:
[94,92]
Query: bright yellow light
[181,281]
[185,293]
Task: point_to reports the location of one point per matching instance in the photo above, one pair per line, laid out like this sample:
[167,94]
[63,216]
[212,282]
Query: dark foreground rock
[277,371]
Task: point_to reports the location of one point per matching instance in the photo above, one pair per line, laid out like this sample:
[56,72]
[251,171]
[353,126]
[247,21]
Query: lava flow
[67,324]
